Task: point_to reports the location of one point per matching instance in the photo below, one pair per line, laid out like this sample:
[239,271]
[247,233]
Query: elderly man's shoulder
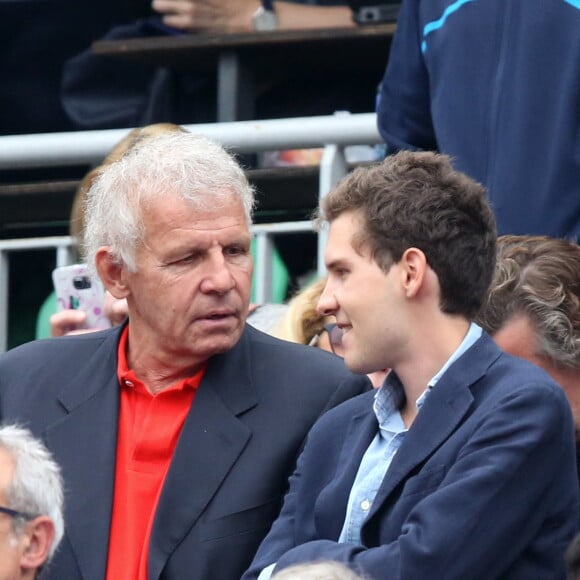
[60,347]
[51,361]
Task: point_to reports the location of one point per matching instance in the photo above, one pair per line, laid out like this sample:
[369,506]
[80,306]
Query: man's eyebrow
[336,263]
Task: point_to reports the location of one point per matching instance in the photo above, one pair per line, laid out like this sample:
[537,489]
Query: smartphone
[77,289]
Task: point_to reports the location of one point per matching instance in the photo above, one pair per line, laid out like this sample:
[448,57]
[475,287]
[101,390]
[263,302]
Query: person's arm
[231,16]
[489,506]
[404,100]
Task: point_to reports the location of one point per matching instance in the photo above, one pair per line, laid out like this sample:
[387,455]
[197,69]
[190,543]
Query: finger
[185,14]
[63,322]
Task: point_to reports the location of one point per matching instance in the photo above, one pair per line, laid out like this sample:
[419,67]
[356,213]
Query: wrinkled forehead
[198,202]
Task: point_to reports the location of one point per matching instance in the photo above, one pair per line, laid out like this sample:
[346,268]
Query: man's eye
[189,259]
[236,251]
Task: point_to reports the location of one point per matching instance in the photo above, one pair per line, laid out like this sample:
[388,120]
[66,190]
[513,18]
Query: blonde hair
[302,322]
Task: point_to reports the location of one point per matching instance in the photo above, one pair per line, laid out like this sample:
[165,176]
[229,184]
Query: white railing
[334,133]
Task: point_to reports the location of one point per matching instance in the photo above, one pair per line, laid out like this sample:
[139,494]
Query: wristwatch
[265,17]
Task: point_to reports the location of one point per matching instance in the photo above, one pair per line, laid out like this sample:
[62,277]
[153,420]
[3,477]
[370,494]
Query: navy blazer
[483,486]
[229,471]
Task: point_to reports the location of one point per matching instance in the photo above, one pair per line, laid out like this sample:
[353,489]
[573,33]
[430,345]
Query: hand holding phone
[76,289]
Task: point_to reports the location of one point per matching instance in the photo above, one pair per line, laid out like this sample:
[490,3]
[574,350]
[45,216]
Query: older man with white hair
[177,431]
[31,503]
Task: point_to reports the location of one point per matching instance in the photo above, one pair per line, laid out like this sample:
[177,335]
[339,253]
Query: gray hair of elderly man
[324,570]
[36,486]
[174,165]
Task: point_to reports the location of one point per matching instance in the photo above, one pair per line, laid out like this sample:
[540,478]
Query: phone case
[75,288]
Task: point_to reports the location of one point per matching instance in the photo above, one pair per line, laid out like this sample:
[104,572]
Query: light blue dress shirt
[392,430]
[379,454]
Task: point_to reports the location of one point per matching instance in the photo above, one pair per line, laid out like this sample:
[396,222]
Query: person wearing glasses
[462,465]
[31,504]
[302,323]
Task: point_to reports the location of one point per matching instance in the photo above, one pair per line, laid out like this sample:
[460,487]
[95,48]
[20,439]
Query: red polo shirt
[149,428]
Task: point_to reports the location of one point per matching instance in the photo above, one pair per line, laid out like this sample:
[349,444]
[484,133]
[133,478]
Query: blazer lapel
[444,409]
[211,441]
[84,443]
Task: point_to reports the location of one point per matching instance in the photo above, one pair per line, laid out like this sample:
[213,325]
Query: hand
[226,15]
[68,322]
[115,309]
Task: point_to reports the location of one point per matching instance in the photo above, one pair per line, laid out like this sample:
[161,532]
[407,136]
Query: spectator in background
[304,324]
[100,92]
[495,85]
[532,309]
[38,36]
[31,504]
[448,470]
[241,14]
[178,430]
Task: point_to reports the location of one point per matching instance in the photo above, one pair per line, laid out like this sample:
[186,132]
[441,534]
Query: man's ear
[111,273]
[414,267]
[39,536]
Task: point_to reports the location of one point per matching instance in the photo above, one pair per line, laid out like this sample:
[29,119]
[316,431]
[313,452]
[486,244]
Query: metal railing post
[4,282]
[333,168]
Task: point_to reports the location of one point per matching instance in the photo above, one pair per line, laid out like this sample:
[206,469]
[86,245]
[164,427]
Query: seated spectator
[317,571]
[532,309]
[242,14]
[462,465]
[31,504]
[178,430]
[72,321]
[100,92]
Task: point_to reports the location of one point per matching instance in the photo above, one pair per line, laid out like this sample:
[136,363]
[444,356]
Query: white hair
[36,487]
[181,165]
[323,570]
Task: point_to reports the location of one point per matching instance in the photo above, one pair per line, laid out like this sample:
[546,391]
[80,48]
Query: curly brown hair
[538,277]
[417,199]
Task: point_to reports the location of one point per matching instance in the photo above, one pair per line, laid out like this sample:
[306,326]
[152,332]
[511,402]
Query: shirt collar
[128,379]
[390,397]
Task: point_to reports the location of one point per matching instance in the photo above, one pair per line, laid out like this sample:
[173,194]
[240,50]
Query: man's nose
[327,304]
[218,276]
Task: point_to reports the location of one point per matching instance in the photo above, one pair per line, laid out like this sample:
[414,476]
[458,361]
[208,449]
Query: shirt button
[365,505]
[129,384]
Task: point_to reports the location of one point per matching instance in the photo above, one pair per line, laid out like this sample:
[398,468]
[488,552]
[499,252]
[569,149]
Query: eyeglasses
[16,514]
[334,336]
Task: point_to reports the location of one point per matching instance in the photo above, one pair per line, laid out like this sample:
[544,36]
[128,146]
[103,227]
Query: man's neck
[157,368]
[432,348]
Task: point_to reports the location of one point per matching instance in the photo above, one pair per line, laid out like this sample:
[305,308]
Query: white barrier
[87,147]
[333,132]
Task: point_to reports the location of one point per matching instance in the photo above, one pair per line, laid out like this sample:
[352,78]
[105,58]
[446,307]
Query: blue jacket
[483,487]
[496,85]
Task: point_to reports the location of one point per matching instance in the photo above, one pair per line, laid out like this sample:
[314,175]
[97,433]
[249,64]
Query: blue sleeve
[403,107]
[490,505]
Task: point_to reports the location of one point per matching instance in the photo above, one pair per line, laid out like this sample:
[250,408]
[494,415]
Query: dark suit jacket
[230,469]
[483,486]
